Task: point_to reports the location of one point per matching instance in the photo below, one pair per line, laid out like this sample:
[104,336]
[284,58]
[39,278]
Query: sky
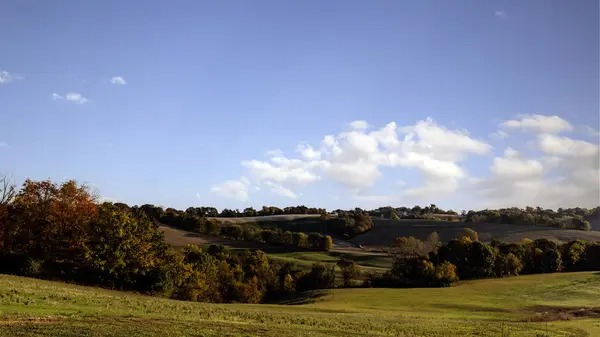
[336,104]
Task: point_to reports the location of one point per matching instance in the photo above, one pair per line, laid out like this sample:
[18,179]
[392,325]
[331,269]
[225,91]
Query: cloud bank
[560,170]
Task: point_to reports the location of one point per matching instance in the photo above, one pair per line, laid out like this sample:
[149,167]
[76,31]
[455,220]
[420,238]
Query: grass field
[32,307]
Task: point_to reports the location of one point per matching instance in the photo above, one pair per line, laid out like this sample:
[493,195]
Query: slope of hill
[384,231]
[33,307]
[367,261]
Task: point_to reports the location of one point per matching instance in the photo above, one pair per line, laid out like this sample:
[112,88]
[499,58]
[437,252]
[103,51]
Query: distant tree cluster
[266,210]
[349,223]
[429,263]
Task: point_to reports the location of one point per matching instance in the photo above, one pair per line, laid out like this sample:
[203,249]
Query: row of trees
[431,263]
[575,218]
[277,236]
[250,211]
[192,221]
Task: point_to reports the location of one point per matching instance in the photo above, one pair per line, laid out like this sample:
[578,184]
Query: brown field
[283,217]
[384,231]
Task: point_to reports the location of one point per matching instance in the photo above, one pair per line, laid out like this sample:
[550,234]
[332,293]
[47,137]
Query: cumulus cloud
[282,191]
[566,175]
[118,80]
[513,166]
[561,171]
[556,145]
[538,124]
[6,77]
[71,97]
[233,189]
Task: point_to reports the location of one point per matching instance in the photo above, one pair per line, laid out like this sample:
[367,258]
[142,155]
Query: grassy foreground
[32,307]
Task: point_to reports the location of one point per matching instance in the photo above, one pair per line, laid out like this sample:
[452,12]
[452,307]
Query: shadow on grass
[306,297]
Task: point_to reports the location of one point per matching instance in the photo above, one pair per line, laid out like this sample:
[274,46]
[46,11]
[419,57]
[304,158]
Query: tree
[477,219]
[314,240]
[349,270]
[573,253]
[481,259]
[8,190]
[300,240]
[407,248]
[326,243]
[432,241]
[319,277]
[249,211]
[469,233]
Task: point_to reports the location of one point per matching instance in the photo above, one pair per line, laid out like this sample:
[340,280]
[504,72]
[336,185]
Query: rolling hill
[521,305]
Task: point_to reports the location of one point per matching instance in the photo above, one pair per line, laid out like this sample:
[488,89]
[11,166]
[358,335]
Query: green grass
[32,307]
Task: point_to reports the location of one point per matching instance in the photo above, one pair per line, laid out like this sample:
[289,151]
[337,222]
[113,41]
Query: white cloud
[498,135]
[308,152]
[359,125]
[282,170]
[233,189]
[76,97]
[555,145]
[6,77]
[118,80]
[71,97]
[500,14]
[538,124]
[356,160]
[513,166]
[282,191]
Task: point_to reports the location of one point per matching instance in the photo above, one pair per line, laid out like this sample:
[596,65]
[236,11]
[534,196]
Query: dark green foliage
[349,270]
[319,277]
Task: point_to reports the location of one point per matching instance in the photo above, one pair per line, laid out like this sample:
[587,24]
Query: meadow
[560,304]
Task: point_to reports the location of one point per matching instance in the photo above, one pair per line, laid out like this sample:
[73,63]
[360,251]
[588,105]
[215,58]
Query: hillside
[33,307]
[384,231]
[303,258]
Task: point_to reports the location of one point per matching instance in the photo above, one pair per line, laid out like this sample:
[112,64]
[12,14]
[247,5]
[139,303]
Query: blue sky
[228,103]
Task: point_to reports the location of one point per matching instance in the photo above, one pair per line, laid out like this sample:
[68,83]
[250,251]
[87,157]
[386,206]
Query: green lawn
[32,307]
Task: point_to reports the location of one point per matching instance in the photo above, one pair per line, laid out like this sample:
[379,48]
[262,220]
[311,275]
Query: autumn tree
[469,233]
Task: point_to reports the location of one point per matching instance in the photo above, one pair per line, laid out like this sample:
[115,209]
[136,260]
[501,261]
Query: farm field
[384,231]
[31,307]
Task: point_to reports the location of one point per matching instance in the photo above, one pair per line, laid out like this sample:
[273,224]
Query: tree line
[194,221]
[569,218]
[430,263]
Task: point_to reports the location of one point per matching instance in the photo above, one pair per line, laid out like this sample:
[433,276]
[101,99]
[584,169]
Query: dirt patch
[550,313]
